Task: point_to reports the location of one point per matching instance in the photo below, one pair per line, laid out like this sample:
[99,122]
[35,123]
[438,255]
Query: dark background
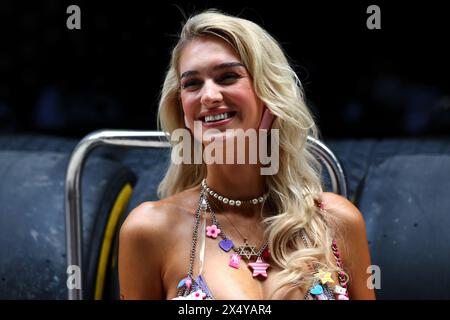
[392,82]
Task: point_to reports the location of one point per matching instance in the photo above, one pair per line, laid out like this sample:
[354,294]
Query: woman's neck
[237,182]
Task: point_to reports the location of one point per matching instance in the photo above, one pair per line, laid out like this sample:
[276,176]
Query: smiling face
[216,88]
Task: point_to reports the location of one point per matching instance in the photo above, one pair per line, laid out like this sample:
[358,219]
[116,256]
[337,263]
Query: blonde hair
[297,185]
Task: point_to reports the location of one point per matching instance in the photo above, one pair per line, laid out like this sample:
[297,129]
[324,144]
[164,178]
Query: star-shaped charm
[247,250]
[324,277]
[259,267]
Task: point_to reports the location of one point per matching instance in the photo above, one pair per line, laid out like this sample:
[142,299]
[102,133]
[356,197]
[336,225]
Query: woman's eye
[190,84]
[229,77]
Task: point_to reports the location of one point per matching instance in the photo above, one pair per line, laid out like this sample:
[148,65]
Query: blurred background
[359,83]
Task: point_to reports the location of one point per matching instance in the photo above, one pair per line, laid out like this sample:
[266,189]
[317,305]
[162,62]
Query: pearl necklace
[231,202]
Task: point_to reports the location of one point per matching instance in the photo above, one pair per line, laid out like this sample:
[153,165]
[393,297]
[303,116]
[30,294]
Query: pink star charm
[259,267]
[212,231]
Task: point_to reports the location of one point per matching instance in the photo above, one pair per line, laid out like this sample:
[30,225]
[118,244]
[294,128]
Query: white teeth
[217,117]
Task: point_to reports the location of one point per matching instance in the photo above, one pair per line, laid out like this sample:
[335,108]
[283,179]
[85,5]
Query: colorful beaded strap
[321,290]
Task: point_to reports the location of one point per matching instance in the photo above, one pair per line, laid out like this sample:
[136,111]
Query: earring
[266,119]
[186,124]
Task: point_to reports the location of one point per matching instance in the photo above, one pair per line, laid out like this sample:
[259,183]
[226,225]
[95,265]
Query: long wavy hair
[295,189]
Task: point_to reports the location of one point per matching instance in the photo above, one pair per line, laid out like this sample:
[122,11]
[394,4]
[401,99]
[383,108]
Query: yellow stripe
[116,212]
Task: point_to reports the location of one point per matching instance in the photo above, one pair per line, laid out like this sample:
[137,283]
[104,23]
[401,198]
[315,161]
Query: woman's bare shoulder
[149,216]
[344,209]
[156,216]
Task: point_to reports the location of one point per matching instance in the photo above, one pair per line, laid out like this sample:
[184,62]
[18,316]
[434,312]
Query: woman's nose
[211,94]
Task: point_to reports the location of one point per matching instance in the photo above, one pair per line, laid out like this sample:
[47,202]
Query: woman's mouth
[217,119]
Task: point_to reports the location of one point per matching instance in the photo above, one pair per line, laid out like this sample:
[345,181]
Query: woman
[226,231]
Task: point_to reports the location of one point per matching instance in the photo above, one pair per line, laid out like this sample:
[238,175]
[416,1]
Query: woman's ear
[266,119]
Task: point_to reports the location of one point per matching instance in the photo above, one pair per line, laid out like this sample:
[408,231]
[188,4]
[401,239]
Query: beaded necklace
[246,250]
